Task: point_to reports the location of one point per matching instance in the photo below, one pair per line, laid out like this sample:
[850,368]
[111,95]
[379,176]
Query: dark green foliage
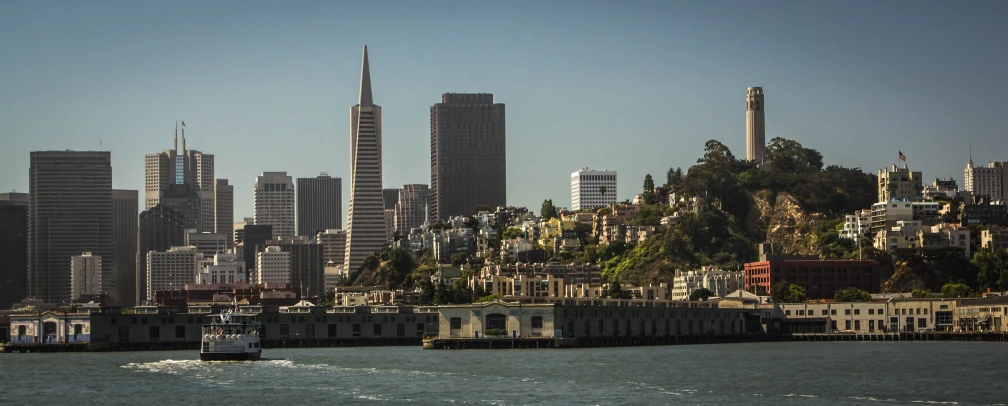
[701,294]
[956,290]
[786,292]
[649,190]
[852,295]
[992,269]
[920,294]
[548,210]
[513,232]
[391,268]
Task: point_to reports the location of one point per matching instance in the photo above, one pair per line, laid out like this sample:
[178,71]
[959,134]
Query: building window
[832,312]
[537,322]
[847,312]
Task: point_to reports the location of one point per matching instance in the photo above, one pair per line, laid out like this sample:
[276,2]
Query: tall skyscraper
[274,203]
[319,204]
[193,169]
[755,125]
[224,209]
[411,208]
[70,213]
[14,246]
[366,217]
[990,180]
[254,238]
[333,244]
[592,189]
[468,154]
[159,229]
[125,217]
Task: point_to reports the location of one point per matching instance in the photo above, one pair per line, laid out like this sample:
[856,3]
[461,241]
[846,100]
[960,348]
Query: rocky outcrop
[780,218]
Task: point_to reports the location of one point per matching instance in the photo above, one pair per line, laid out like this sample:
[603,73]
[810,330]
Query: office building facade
[159,229]
[189,171]
[468,154]
[70,212]
[14,245]
[125,219]
[319,204]
[592,189]
[85,275]
[224,209]
[274,203]
[411,208]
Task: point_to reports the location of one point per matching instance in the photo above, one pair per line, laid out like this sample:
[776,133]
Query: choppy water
[740,374]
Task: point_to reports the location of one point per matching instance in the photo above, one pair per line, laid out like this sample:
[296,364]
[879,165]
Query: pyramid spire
[365,82]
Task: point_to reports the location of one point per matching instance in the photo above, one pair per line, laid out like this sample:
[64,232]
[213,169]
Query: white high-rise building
[755,125]
[224,208]
[273,265]
[591,189]
[172,269]
[274,203]
[226,268]
[366,233]
[411,208]
[85,275]
[179,166]
[990,180]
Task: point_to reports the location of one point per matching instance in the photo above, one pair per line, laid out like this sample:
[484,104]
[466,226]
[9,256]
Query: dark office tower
[125,206]
[70,212]
[160,228]
[224,209]
[183,199]
[319,204]
[307,269]
[13,249]
[254,238]
[391,198]
[468,154]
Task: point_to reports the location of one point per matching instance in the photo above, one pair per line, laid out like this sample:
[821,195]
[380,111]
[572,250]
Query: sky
[636,87]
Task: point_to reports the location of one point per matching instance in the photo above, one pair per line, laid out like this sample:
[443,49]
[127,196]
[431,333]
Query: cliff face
[782,221]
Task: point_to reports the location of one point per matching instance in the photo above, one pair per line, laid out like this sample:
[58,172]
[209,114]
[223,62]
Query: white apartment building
[172,269]
[987,180]
[592,189]
[721,283]
[905,234]
[273,265]
[857,225]
[274,203]
[85,275]
[949,235]
[208,244]
[226,268]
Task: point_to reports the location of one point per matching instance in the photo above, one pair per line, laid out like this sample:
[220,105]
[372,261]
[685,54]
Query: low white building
[85,275]
[720,282]
[172,269]
[333,276]
[273,265]
[226,268]
[512,247]
[905,234]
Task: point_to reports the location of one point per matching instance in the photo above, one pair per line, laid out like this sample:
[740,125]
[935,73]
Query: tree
[956,290]
[786,292]
[920,294]
[548,210]
[649,191]
[480,207]
[852,295]
[512,232]
[700,294]
[615,290]
[674,177]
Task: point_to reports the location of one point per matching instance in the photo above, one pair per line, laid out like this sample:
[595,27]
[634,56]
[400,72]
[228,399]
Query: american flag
[902,157]
[183,124]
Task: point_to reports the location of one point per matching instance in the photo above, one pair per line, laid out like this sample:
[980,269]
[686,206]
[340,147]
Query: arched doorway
[496,324]
[49,330]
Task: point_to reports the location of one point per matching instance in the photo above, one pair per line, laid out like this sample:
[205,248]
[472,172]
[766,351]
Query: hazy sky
[632,86]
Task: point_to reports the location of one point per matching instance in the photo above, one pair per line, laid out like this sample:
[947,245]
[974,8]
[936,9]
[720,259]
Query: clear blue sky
[632,86]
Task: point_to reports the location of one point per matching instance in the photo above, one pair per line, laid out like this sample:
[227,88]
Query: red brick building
[820,278]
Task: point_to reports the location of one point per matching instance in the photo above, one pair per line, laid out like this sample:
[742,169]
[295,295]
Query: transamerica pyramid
[366,217]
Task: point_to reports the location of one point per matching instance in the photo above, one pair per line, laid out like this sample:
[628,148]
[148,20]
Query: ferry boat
[231,336]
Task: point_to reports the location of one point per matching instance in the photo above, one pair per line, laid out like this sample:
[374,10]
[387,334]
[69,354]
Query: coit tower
[755,133]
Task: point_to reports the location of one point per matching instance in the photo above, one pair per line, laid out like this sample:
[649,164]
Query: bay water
[849,373]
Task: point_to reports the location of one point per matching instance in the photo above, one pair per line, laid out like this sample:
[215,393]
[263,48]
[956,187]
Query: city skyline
[112,101]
